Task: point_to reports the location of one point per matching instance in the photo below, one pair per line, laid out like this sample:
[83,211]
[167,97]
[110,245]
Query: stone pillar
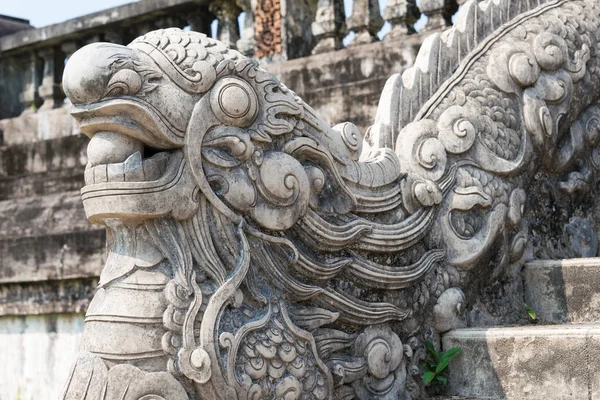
[200,20]
[247,43]
[402,15]
[170,21]
[68,48]
[29,97]
[329,27]
[227,12]
[50,90]
[115,36]
[365,21]
[439,13]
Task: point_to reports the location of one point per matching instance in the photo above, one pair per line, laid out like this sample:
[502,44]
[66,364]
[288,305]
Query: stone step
[564,291]
[533,362]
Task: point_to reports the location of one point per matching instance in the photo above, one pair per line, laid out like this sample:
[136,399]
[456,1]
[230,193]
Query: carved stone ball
[449,310]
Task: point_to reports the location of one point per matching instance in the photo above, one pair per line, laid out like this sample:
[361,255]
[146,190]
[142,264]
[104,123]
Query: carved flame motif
[265,254]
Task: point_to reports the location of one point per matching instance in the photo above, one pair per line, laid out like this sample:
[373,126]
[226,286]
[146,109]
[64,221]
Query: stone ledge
[43,215]
[534,363]
[62,256]
[53,34]
[42,184]
[47,297]
[56,154]
[34,126]
[564,291]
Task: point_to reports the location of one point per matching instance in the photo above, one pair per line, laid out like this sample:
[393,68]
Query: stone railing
[31,61]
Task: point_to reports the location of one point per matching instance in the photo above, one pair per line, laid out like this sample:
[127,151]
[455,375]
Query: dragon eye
[234,102]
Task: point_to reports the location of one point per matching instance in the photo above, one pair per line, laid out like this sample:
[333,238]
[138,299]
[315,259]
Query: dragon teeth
[134,169]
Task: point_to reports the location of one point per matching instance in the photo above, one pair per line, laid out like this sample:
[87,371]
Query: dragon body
[255,252]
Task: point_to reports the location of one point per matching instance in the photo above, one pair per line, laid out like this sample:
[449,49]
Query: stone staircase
[558,358]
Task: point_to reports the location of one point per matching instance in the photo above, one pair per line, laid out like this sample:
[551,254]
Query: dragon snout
[89,70]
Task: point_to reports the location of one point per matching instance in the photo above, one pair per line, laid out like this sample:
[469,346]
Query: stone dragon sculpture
[255,252]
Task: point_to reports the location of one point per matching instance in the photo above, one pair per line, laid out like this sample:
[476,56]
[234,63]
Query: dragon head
[175,113]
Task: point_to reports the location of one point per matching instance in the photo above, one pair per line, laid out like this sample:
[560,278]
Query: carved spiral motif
[550,50]
[382,349]
[420,151]
[523,69]
[316,178]
[432,156]
[592,131]
[284,189]
[546,121]
[351,137]
[456,129]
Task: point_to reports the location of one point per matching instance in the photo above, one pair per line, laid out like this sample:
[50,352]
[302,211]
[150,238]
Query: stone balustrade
[32,60]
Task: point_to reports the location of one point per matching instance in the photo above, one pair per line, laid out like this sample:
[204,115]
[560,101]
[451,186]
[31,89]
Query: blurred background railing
[32,60]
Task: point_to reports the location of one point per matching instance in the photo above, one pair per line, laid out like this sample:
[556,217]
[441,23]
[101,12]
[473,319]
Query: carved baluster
[246,43]
[365,21]
[228,30]
[329,27]
[402,14]
[50,90]
[439,13]
[29,97]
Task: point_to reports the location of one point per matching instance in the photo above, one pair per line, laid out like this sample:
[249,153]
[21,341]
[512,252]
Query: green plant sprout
[531,313]
[435,365]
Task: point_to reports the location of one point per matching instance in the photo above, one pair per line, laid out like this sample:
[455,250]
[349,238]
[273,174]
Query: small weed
[531,312]
[435,365]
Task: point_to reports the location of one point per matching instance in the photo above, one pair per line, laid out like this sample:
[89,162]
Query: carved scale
[255,252]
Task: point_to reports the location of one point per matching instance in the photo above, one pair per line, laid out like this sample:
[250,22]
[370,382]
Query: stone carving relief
[255,252]
[267,23]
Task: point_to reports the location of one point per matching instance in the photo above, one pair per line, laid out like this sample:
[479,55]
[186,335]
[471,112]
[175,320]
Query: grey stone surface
[357,73]
[58,32]
[236,216]
[256,251]
[37,351]
[537,363]
[564,291]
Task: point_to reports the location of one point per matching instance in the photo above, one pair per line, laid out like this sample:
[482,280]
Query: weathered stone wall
[37,354]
